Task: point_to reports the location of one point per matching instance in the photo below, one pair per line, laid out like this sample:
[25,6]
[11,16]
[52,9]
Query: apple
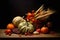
[38,30]
[44,29]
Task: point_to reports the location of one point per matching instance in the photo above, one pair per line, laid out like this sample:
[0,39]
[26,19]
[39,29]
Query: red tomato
[34,20]
[44,29]
[30,14]
[38,30]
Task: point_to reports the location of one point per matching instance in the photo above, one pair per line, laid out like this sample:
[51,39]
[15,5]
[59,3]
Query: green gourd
[22,25]
[25,27]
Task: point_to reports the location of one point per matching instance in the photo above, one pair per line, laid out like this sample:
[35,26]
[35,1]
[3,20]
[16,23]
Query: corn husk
[40,9]
[43,13]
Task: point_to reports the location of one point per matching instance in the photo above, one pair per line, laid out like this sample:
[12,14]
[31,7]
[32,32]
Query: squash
[25,27]
[22,25]
[16,20]
[44,29]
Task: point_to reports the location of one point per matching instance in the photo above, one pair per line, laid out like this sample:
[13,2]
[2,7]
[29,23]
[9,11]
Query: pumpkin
[44,29]
[16,20]
[25,27]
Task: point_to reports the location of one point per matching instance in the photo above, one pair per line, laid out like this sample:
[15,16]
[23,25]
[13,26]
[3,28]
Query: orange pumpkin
[44,29]
[10,26]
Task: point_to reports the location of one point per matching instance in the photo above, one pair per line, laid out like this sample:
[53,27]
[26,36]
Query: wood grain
[2,35]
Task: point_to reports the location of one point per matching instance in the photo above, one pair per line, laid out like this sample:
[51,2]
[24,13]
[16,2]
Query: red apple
[38,30]
[44,29]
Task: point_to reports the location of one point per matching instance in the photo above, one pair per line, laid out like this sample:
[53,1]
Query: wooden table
[2,35]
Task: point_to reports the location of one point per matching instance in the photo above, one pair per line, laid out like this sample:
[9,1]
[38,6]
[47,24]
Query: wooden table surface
[2,35]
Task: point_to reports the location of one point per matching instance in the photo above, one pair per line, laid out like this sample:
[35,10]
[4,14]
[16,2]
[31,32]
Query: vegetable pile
[32,23]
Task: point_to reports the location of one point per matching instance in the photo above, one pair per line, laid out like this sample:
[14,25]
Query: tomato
[10,26]
[44,29]
[34,20]
[29,14]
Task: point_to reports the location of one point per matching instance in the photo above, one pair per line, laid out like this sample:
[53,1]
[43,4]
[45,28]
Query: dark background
[11,8]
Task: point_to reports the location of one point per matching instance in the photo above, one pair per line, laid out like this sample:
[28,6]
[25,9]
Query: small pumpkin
[25,27]
[44,29]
